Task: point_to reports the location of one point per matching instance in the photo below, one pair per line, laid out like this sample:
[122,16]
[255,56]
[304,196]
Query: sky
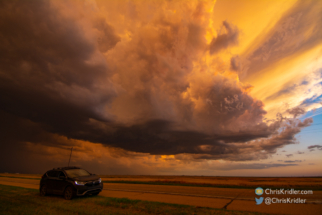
[162,87]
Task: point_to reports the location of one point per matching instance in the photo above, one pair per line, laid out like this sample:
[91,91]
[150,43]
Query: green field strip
[207,185]
[174,183]
[17,200]
[19,177]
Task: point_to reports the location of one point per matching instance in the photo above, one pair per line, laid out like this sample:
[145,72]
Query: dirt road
[231,199]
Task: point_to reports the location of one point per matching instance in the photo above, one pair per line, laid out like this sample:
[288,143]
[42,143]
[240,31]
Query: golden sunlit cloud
[159,84]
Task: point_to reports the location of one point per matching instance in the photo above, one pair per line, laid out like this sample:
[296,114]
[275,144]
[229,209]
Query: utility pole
[70,155]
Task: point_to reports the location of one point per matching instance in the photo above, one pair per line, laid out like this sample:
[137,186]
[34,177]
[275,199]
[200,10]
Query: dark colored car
[70,182]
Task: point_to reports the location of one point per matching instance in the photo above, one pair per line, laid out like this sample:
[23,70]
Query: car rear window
[74,173]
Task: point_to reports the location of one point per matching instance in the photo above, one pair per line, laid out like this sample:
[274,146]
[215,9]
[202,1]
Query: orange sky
[162,87]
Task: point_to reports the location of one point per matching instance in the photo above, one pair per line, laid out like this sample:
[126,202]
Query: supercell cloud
[140,78]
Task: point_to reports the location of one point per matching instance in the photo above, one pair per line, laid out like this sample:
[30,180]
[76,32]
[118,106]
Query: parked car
[70,182]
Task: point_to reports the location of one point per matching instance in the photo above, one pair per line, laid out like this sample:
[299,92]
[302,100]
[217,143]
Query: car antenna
[70,155]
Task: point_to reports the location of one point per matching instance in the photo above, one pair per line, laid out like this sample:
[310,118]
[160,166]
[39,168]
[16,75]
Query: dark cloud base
[49,84]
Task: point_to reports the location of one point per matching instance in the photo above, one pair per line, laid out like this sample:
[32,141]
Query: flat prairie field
[314,183]
[17,200]
[162,195]
[242,182]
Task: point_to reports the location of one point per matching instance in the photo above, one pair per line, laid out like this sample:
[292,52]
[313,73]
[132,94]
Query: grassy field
[16,200]
[180,183]
[312,183]
[303,183]
[20,177]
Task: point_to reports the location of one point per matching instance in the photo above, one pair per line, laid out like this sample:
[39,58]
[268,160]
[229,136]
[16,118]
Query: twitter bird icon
[259,201]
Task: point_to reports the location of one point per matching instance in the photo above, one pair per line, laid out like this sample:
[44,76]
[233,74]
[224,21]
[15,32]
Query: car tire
[43,190]
[95,194]
[69,193]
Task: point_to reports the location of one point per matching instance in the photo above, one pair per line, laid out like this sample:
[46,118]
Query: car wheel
[43,190]
[68,194]
[95,194]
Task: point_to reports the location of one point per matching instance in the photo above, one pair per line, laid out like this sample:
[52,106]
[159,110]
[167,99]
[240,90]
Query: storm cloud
[143,89]
[227,36]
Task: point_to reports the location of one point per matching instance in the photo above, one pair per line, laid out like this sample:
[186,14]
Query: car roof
[65,168]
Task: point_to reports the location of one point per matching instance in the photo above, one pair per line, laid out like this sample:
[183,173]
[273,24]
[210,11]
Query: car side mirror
[62,177]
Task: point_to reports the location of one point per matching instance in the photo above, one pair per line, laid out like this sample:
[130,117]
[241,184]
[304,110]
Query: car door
[52,176]
[60,183]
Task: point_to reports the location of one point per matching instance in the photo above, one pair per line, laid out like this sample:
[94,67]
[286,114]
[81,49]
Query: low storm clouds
[136,78]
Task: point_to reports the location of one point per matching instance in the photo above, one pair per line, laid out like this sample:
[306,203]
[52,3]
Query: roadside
[230,199]
[314,183]
[205,192]
[16,200]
